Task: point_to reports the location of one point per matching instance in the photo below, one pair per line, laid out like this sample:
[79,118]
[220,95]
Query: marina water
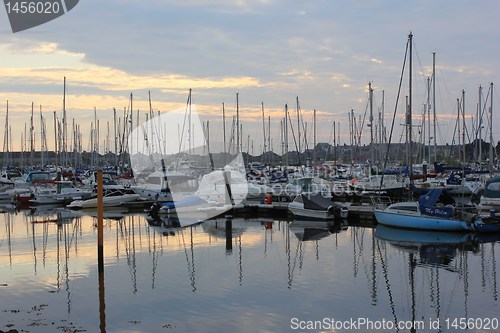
[240,275]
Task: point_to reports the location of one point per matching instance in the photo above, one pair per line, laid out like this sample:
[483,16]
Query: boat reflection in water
[433,258]
[169,224]
[433,247]
[313,230]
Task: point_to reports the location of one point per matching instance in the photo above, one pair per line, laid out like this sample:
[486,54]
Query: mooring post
[229,236]
[100,216]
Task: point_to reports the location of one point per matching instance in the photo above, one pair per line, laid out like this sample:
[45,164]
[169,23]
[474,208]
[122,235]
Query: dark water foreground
[239,275]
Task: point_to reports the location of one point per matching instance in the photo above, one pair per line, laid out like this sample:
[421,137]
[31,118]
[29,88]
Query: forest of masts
[68,146]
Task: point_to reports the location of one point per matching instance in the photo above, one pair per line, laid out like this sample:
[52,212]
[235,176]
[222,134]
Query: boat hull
[490,203]
[112,201]
[312,214]
[420,222]
[299,211]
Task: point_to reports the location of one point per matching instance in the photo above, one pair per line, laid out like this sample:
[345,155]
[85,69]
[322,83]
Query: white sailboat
[114,195]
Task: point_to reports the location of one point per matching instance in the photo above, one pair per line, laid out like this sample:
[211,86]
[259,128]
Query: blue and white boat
[428,214]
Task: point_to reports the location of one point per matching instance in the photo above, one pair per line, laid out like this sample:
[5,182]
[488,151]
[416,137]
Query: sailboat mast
[372,153]
[64,122]
[334,145]
[463,123]
[314,140]
[31,135]
[480,126]
[351,134]
[189,123]
[6,136]
[116,137]
[269,146]
[237,123]
[410,166]
[491,127]
[298,120]
[131,119]
[382,120]
[338,140]
[264,128]
[457,126]
[55,139]
[434,102]
[224,131]
[43,140]
[428,127]
[285,133]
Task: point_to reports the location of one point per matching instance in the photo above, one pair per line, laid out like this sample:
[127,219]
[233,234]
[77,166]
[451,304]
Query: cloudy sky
[268,51]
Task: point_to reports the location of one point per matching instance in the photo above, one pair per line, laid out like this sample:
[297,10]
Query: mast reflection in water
[235,275]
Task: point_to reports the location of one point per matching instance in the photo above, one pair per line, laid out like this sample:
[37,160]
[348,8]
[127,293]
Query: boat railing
[380,201]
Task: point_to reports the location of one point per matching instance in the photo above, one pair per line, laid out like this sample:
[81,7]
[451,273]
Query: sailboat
[113,196]
[433,211]
[316,206]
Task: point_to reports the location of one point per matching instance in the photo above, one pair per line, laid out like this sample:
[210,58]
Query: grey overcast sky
[322,51]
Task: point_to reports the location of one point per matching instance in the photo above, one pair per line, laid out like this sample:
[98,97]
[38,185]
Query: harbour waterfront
[240,275]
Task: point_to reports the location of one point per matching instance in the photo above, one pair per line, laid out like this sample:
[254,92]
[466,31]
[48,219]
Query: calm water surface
[261,276]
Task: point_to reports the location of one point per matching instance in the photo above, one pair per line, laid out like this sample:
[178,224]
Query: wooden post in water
[229,236]
[99,216]
[100,251]
[102,302]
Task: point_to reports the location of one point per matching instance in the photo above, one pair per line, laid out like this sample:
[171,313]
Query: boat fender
[268,199]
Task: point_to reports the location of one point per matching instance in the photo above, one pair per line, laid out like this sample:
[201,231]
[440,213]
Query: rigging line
[294,264]
[184,121]
[295,141]
[240,261]
[385,273]
[354,254]
[447,93]
[155,257]
[156,128]
[362,123]
[395,110]
[330,139]
[231,138]
[190,267]
[360,242]
[422,71]
[494,272]
[481,114]
[454,132]
[306,149]
[465,129]
[301,118]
